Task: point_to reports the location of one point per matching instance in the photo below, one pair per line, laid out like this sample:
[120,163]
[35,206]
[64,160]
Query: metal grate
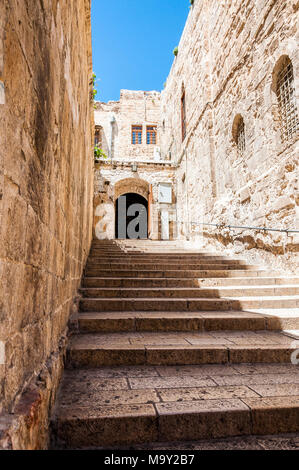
[287,102]
[241,141]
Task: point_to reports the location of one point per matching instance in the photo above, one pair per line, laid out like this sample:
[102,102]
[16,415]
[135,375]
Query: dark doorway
[131,218]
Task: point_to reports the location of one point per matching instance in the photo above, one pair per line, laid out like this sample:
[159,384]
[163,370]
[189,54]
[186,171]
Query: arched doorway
[131,221]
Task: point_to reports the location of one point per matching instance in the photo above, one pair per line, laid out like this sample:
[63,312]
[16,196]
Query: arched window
[286,99]
[239,134]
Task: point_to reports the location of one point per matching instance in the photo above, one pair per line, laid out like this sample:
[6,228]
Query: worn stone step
[185,292]
[186,305]
[177,282]
[172,321]
[179,348]
[221,272]
[129,405]
[164,257]
[267,319]
[94,266]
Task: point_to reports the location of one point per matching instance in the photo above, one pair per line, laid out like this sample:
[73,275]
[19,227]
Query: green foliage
[175,51]
[94,90]
[191,2]
[99,154]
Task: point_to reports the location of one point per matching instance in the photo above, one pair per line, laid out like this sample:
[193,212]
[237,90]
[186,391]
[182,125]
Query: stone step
[179,348]
[134,405]
[186,305]
[267,319]
[185,292]
[173,321]
[176,282]
[99,266]
[120,259]
[163,256]
[155,273]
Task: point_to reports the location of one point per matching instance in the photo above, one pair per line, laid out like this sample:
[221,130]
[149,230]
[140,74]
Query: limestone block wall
[227,66]
[46,175]
[117,117]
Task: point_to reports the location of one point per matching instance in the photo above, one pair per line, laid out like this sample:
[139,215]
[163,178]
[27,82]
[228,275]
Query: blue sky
[133,42]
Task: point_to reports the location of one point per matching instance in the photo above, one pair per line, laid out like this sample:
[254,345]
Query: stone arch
[278,106]
[282,59]
[285,51]
[132,185]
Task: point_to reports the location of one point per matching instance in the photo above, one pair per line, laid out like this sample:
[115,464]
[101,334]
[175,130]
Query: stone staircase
[177,345]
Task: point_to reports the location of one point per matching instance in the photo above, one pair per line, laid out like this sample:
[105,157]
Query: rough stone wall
[46,171]
[134,108]
[226,63]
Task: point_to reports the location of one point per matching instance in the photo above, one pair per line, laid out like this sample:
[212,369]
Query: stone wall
[117,118]
[227,64]
[46,175]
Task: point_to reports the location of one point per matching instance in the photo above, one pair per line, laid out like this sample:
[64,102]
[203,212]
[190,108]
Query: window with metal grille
[151,135]
[240,138]
[136,135]
[183,115]
[98,136]
[287,101]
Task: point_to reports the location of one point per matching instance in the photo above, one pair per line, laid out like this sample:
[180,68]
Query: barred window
[151,135]
[136,135]
[287,101]
[241,141]
[239,135]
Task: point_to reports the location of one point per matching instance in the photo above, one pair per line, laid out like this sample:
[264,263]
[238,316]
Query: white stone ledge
[138,162]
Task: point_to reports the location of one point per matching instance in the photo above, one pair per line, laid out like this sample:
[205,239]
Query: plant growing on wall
[175,51]
[99,154]
[94,90]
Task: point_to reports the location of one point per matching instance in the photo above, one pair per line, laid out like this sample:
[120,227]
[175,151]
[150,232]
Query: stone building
[235,84]
[129,133]
[213,159]
[227,123]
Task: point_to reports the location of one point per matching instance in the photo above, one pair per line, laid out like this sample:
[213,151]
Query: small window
[241,141]
[98,136]
[287,101]
[151,135]
[239,135]
[183,115]
[136,135]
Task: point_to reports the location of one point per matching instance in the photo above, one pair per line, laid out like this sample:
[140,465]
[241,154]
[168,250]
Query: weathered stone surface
[46,187]
[234,51]
[275,413]
[203,419]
